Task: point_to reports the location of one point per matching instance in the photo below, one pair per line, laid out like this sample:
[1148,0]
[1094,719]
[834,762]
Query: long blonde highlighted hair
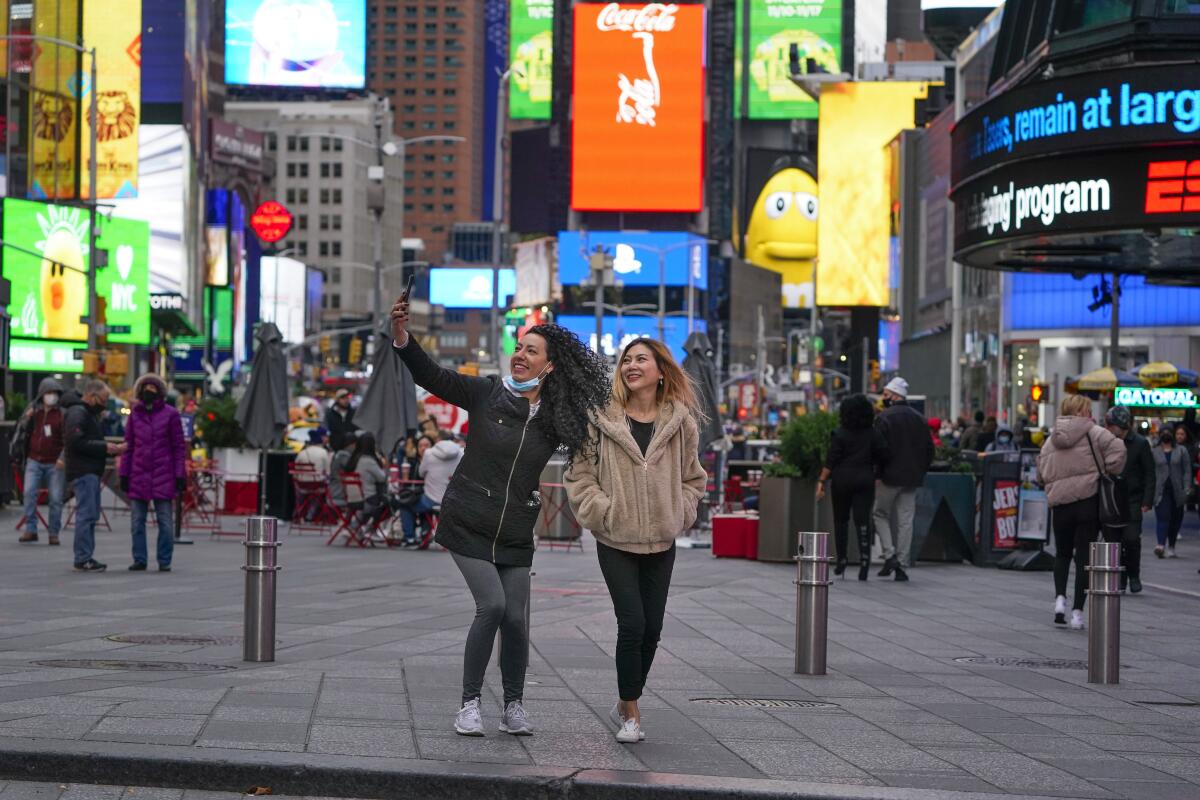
[676,385]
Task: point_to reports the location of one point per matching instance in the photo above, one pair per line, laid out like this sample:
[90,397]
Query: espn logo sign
[1172,187]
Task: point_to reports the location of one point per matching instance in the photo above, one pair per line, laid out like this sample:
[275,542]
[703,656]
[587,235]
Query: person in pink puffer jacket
[1069,468]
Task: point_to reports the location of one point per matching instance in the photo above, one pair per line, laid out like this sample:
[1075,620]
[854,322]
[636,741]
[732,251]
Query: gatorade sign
[1139,397]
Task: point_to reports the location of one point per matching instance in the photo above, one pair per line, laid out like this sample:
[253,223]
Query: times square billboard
[637,138]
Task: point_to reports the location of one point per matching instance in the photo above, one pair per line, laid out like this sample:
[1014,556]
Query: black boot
[840,567]
[864,552]
[888,567]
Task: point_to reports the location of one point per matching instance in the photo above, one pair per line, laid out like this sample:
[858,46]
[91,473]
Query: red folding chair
[313,509]
[349,519]
[430,520]
[43,497]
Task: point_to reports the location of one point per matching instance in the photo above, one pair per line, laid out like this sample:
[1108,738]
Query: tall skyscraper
[426,55]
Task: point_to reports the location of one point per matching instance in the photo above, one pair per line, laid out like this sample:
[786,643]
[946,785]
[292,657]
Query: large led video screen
[310,44]
[813,26]
[857,122]
[468,287]
[638,126]
[635,257]
[531,54]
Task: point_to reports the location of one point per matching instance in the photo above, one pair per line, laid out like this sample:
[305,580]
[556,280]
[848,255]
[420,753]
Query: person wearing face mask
[86,454]
[39,440]
[909,453]
[492,502]
[1173,481]
[641,491]
[1004,441]
[154,468]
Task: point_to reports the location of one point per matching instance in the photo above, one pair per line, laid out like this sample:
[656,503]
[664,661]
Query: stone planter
[787,506]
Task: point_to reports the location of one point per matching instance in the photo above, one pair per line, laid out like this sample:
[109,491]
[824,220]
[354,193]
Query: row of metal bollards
[812,608]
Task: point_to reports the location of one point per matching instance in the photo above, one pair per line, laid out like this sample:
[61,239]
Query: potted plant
[787,500]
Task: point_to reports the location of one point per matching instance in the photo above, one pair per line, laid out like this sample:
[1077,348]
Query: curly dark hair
[856,413]
[578,385]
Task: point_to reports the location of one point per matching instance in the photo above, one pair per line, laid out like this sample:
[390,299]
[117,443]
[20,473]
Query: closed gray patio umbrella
[389,406]
[263,410]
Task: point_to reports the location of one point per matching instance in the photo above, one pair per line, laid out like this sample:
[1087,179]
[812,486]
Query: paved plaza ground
[360,698]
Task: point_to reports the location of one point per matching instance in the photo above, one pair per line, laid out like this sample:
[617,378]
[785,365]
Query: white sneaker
[1076,620]
[1171,553]
[630,732]
[1060,610]
[616,719]
[514,720]
[468,721]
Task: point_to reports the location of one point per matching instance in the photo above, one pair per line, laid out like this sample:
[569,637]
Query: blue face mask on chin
[526,385]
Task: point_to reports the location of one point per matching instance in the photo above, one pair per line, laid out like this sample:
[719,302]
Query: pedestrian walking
[153,469]
[908,456]
[339,419]
[1173,482]
[1004,442]
[492,502]
[86,455]
[971,433]
[641,490]
[436,467]
[987,434]
[38,440]
[1069,468]
[856,452]
[1138,484]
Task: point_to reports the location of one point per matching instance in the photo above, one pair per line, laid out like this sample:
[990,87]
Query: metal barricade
[812,602]
[259,613]
[1104,613]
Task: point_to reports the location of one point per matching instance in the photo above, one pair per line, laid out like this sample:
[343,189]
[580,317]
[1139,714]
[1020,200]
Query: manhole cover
[132,666]
[169,638]
[1024,663]
[761,702]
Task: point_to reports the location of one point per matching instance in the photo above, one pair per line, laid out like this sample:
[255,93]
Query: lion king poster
[54,107]
[114,27]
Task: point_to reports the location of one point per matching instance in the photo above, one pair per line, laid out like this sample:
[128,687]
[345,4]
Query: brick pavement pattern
[369,657]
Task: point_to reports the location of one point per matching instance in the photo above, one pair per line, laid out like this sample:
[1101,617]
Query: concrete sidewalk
[956,681]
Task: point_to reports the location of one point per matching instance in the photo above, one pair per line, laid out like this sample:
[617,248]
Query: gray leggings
[501,597]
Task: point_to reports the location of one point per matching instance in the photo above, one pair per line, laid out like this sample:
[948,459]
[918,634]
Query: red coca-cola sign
[271,221]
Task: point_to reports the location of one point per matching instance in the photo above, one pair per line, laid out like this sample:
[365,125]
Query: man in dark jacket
[1137,484]
[39,441]
[909,454]
[86,454]
[339,420]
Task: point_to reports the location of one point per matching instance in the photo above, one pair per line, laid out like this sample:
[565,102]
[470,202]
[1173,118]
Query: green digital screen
[531,55]
[46,259]
[41,355]
[814,26]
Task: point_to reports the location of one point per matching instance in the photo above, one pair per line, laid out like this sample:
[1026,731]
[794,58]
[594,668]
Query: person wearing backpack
[1069,468]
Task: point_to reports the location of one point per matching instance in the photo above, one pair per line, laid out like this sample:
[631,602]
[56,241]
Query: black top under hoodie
[490,505]
[909,445]
[85,450]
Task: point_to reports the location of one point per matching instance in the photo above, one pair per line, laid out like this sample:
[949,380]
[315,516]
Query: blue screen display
[301,43]
[1045,301]
[468,287]
[162,51]
[635,257]
[675,331]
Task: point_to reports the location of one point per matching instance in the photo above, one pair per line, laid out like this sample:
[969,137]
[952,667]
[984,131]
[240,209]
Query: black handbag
[1113,514]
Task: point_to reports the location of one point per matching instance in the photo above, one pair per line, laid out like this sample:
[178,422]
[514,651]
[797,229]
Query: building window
[449,108]
[331,170]
[335,301]
[448,207]
[302,248]
[410,61]
[448,174]
[329,196]
[452,340]
[336,248]
[429,109]
[448,191]
[431,76]
[429,61]
[410,27]
[448,158]
[427,174]
[428,125]
[431,11]
[454,317]
[335,222]
[450,124]
[427,208]
[428,158]
[452,61]
[427,191]
[297,170]
[431,27]
[410,92]
[450,92]
[272,142]
[291,144]
[323,249]
[335,274]
[409,125]
[409,206]
[450,76]
[302,222]
[323,222]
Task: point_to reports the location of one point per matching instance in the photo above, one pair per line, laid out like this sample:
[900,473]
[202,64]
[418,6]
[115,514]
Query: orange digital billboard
[638,126]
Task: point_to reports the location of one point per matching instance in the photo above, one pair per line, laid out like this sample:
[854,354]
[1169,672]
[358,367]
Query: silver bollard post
[259,613]
[812,602]
[1104,613]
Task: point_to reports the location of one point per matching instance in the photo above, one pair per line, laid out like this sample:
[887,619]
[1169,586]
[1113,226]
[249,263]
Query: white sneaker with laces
[468,721]
[1076,623]
[514,720]
[1060,610]
[630,733]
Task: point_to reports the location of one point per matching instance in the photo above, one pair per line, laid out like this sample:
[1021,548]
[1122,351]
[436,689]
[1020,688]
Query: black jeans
[1076,526]
[850,498]
[638,585]
[1130,538]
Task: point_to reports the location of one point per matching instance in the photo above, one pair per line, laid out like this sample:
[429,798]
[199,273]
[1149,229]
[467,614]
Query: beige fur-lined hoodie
[635,503]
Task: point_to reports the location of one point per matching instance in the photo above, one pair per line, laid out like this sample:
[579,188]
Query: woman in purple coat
[153,468]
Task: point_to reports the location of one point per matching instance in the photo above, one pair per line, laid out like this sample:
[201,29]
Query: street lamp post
[390,148]
[93,164]
[497,212]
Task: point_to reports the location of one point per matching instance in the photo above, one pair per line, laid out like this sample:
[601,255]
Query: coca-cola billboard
[638,126]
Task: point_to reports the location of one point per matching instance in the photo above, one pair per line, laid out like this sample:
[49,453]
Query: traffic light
[1038,392]
[355,350]
[324,344]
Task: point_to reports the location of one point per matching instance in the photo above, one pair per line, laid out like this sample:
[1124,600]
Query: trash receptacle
[556,523]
